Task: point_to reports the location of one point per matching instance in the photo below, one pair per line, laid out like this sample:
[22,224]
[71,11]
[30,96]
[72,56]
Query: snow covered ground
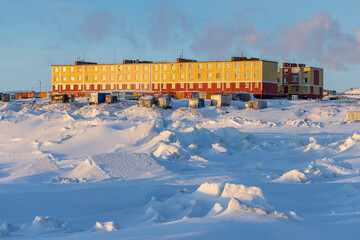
[117,171]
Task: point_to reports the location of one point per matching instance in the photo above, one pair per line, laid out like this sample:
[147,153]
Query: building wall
[255,76]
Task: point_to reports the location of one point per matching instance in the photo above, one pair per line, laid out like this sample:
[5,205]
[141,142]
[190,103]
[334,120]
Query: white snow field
[117,171]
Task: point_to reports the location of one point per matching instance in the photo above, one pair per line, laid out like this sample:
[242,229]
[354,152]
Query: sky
[39,33]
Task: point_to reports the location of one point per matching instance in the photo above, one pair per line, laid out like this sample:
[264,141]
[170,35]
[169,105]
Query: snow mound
[46,223]
[58,179]
[126,166]
[106,227]
[210,188]
[41,163]
[344,145]
[170,152]
[10,107]
[329,168]
[292,176]
[8,227]
[217,148]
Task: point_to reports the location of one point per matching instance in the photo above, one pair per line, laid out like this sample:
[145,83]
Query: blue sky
[38,33]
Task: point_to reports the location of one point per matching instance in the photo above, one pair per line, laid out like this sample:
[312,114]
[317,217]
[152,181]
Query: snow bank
[10,107]
[46,223]
[329,168]
[106,227]
[292,176]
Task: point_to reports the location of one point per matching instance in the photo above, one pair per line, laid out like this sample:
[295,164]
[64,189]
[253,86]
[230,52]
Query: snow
[116,171]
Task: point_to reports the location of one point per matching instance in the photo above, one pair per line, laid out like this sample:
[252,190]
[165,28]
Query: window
[64,78]
[111,77]
[146,67]
[145,77]
[227,65]
[278,80]
[182,76]
[237,85]
[103,86]
[146,86]
[72,87]
[200,85]
[119,77]
[218,75]
[218,85]
[156,67]
[156,77]
[182,85]
[128,77]
[296,88]
[209,75]
[227,75]
[119,68]
[246,75]
[136,67]
[95,87]
[164,85]
[128,86]
[87,69]
[173,85]
[199,66]
[79,69]
[64,87]
[103,68]
[137,86]
[255,75]
[237,75]
[191,85]
[71,69]
[120,86]
[79,78]
[173,67]
[247,65]
[247,85]
[209,66]
[112,68]
[286,70]
[112,86]
[56,69]
[56,87]
[256,85]
[218,65]
[164,76]
[64,69]
[96,68]
[137,76]
[199,75]
[128,68]
[72,78]
[285,80]
[56,78]
[181,66]
[103,77]
[237,65]
[87,86]
[191,66]
[227,85]
[191,76]
[305,89]
[295,78]
[173,76]
[305,80]
[164,67]
[256,65]
[209,85]
[155,86]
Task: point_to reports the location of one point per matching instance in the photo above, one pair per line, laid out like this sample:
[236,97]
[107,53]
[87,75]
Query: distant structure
[298,79]
[240,74]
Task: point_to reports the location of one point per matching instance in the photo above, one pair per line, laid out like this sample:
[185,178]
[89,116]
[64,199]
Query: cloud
[165,25]
[321,38]
[96,25]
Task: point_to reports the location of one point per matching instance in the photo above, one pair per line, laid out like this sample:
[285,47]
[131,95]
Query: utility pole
[39,83]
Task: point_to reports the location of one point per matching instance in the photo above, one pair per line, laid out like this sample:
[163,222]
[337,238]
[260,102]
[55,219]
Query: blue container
[96,98]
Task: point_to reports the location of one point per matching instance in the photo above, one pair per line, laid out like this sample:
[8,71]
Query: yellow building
[298,79]
[240,74]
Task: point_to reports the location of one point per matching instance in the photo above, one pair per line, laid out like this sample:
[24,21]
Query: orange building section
[240,74]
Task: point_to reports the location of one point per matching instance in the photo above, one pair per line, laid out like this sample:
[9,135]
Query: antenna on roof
[182,53]
[242,54]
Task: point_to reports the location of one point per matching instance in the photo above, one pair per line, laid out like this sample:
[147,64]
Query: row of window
[164,67]
[293,70]
[156,76]
[293,79]
[156,86]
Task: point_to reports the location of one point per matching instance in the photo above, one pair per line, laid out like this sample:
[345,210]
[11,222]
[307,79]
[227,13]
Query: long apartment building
[240,74]
[298,79]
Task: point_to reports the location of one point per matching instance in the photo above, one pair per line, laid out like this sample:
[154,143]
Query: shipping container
[111,99]
[295,97]
[147,101]
[97,98]
[196,103]
[60,98]
[194,94]
[30,94]
[1,96]
[36,94]
[71,98]
[17,96]
[256,104]
[202,95]
[180,95]
[221,100]
[353,115]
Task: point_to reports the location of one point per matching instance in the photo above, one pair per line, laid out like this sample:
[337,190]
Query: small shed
[6,97]
[62,98]
[241,96]
[111,99]
[196,103]
[147,101]
[221,100]
[353,115]
[256,104]
[97,98]
[164,101]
